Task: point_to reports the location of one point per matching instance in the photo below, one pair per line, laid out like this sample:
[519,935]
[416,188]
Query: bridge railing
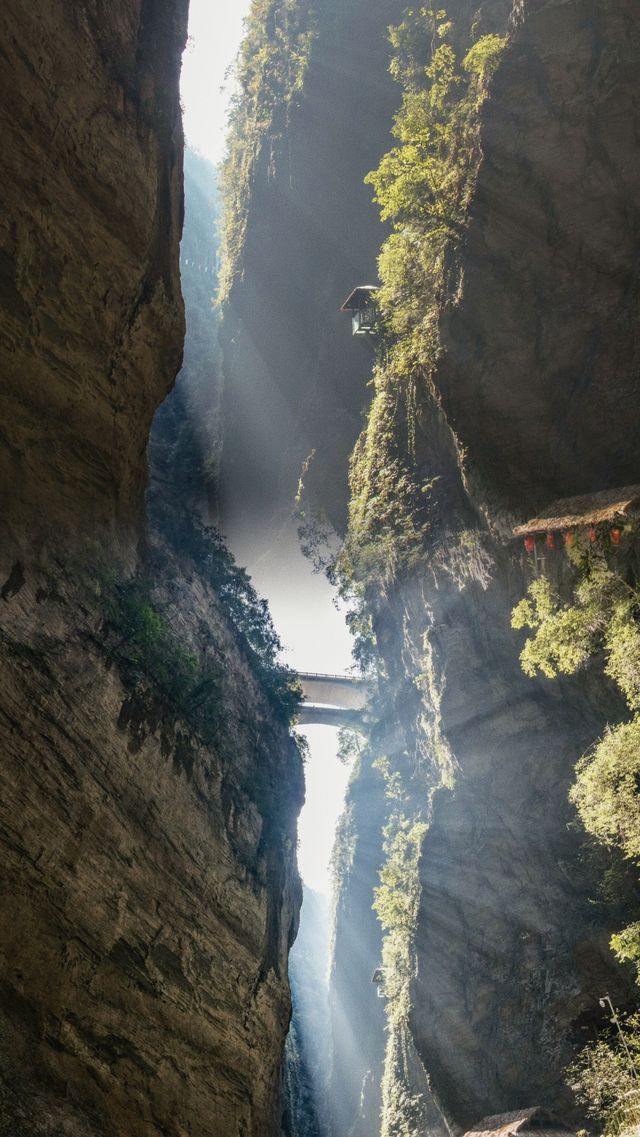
[354,679]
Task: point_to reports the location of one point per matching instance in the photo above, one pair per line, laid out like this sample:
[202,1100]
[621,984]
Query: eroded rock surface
[537,384]
[91,323]
[149,889]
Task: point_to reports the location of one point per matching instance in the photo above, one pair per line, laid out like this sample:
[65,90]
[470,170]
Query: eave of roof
[586,509]
[350,303]
[535,1121]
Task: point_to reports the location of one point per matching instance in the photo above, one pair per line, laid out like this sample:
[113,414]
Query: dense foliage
[247,613]
[423,186]
[146,648]
[601,621]
[601,618]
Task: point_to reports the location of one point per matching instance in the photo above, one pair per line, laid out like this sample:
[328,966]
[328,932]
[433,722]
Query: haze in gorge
[322,424]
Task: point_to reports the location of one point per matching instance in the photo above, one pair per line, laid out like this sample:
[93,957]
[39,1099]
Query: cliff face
[295,379]
[92,320]
[541,359]
[510,948]
[150,896]
[528,392]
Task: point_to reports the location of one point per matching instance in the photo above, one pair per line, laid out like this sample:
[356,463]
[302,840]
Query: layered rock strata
[149,888]
[535,391]
[91,323]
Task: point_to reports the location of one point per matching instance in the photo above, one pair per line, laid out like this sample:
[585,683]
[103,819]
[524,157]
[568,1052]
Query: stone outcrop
[150,895]
[91,324]
[536,383]
[296,381]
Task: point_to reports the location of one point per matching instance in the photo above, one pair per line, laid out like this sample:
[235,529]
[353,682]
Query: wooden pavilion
[361,303]
[604,511]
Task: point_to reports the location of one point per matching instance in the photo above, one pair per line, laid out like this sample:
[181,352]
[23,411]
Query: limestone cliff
[92,316]
[150,785]
[295,381]
[524,389]
[150,894]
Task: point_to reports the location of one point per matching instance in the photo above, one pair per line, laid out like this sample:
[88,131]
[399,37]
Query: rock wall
[149,887]
[92,323]
[150,895]
[541,351]
[511,944]
[296,381]
[536,382]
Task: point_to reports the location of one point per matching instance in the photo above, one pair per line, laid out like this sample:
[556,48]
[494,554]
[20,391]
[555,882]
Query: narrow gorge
[184,408]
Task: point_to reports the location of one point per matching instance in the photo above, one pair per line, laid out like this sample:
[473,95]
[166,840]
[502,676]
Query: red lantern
[593,536]
[551,541]
[530,544]
[616,534]
[568,538]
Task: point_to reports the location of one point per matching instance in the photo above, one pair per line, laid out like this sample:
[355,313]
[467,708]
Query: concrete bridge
[332,700]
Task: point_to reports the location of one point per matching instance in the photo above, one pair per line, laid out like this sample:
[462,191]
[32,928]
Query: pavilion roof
[535,1121]
[360,295]
[586,509]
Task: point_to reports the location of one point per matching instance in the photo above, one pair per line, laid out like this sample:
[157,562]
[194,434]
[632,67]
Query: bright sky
[215,31]
[315,637]
[301,604]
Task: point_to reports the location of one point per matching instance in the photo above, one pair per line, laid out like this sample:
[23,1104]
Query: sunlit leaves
[602,617]
[603,1074]
[606,788]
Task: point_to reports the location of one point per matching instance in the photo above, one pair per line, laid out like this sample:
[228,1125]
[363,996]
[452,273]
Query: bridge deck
[333,690]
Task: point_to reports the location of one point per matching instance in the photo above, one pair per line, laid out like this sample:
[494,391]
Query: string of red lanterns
[615,535]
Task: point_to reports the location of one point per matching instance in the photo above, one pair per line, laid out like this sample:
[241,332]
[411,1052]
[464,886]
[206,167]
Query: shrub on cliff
[423,185]
[603,1075]
[606,790]
[247,613]
[601,617]
[600,620]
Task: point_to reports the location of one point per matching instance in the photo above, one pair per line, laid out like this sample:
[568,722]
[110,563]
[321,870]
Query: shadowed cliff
[150,783]
[508,378]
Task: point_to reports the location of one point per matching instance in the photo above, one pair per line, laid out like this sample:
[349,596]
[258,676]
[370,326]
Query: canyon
[151,780]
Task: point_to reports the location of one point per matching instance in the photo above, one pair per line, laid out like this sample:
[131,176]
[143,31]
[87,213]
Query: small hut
[533,1122]
[607,510]
[378,979]
[364,312]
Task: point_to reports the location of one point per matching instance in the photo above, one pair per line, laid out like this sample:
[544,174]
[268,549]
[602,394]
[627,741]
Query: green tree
[601,620]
